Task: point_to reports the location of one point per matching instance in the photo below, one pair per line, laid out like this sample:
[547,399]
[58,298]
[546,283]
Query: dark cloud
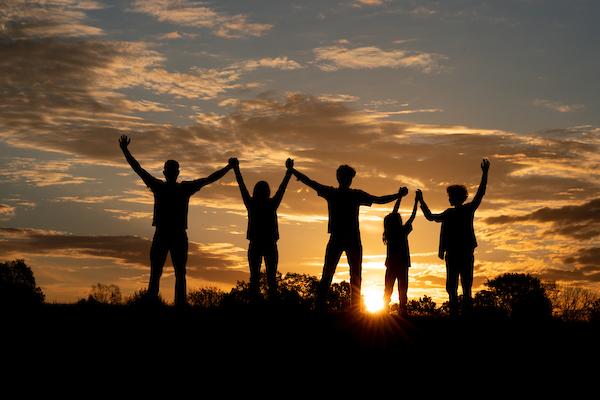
[589,257]
[580,221]
[215,263]
[580,274]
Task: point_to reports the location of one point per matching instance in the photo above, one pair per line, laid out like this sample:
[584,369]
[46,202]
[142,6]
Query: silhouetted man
[344,203]
[457,238]
[171,199]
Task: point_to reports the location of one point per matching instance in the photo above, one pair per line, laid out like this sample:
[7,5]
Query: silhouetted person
[263,232]
[344,203]
[457,238]
[171,199]
[397,262]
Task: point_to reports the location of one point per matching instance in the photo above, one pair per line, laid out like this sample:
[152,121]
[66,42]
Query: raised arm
[485,166]
[401,193]
[414,212]
[198,184]
[307,181]
[135,165]
[390,197]
[289,163]
[240,181]
[426,212]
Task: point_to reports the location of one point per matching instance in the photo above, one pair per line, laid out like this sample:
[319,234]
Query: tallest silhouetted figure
[344,203]
[171,199]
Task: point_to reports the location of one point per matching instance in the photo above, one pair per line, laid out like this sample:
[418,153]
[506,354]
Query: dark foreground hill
[272,342]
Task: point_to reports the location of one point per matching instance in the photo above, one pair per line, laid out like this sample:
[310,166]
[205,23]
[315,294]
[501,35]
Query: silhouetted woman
[263,232]
[397,262]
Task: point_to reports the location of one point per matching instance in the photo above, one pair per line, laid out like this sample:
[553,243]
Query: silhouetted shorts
[459,263]
[170,241]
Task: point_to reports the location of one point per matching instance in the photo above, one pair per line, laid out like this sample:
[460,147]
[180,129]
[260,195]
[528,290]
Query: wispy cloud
[556,106]
[578,221]
[199,15]
[282,63]
[6,211]
[333,58]
[175,35]
[47,18]
[41,173]
[214,262]
[368,3]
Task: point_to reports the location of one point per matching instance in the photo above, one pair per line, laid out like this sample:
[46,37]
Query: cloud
[220,262]
[84,199]
[282,63]
[589,257]
[556,106]
[333,58]
[175,35]
[423,11]
[198,15]
[577,221]
[127,215]
[362,3]
[47,18]
[40,173]
[342,98]
[6,212]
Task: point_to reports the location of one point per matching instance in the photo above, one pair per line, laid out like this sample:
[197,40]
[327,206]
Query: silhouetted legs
[459,264]
[333,253]
[164,242]
[391,275]
[256,252]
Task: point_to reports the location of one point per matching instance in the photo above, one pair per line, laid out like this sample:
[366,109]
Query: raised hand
[403,191]
[124,142]
[419,195]
[485,165]
[233,162]
[289,164]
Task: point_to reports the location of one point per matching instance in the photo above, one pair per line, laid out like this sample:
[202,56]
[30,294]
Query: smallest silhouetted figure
[263,231]
[457,238]
[397,262]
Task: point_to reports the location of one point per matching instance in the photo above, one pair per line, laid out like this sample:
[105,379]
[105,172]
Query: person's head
[457,194]
[391,225]
[171,170]
[262,191]
[345,174]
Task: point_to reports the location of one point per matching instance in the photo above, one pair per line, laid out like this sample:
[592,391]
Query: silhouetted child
[263,231]
[457,238]
[397,262]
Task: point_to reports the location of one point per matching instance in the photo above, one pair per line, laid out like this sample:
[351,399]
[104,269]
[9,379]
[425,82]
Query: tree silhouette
[574,303]
[17,285]
[518,296]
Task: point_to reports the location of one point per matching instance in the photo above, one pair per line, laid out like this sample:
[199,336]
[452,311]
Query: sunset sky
[410,93]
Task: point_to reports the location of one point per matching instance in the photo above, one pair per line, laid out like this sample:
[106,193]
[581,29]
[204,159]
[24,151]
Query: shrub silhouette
[17,285]
[208,297]
[104,294]
[424,306]
[293,290]
[141,298]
